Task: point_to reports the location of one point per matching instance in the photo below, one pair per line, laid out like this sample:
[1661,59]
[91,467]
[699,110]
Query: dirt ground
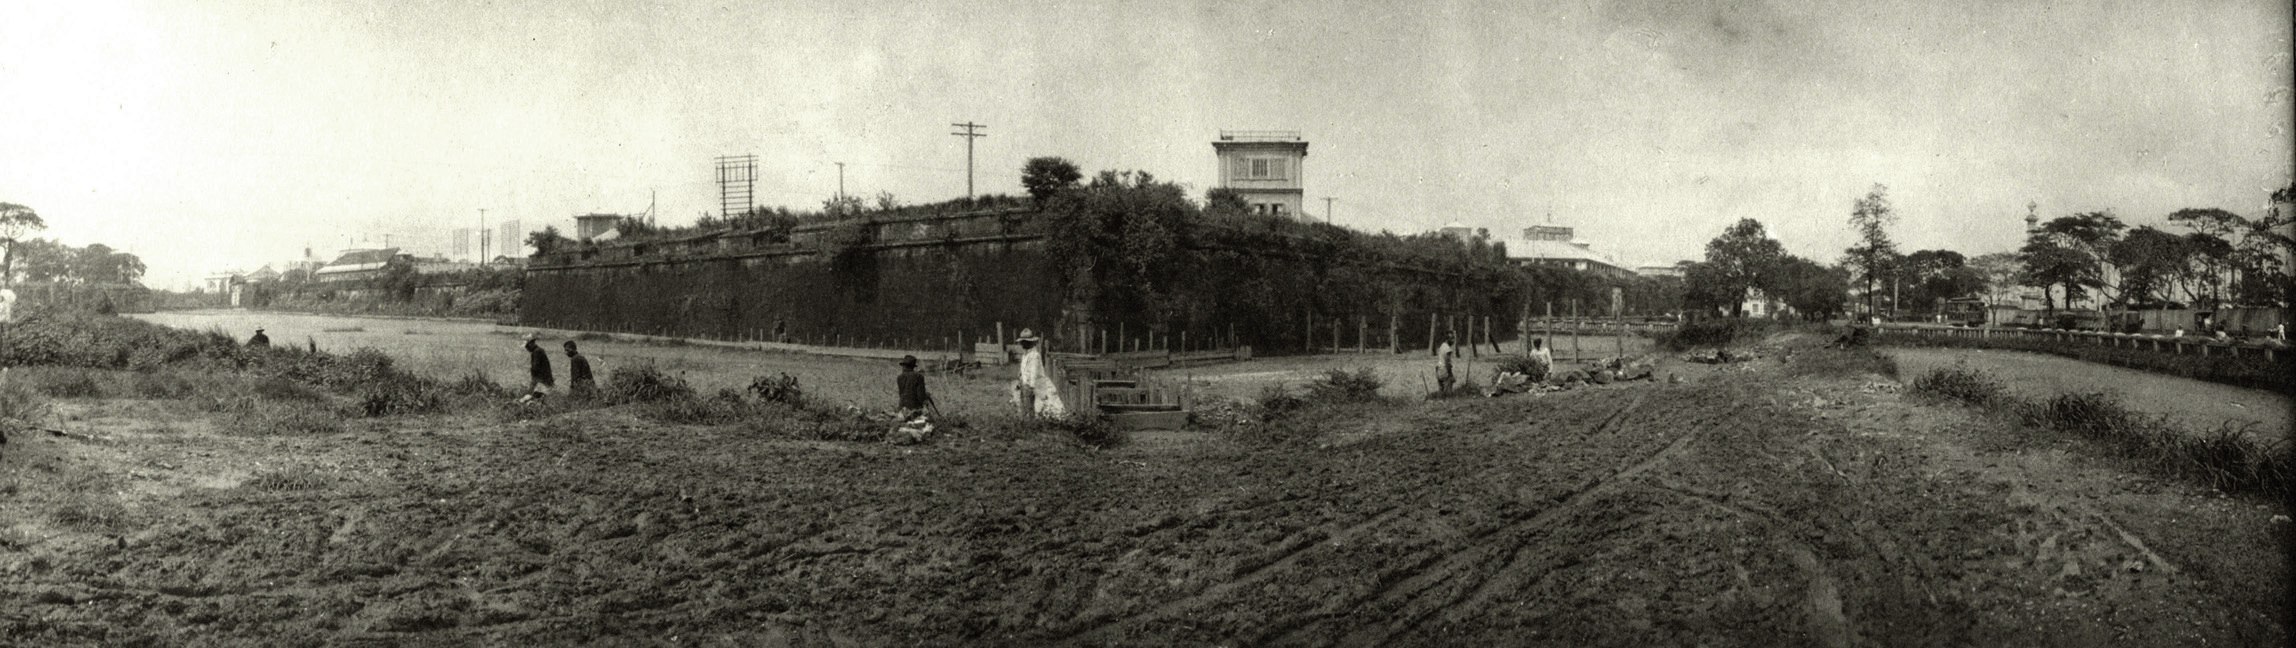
[2193,404]
[1780,502]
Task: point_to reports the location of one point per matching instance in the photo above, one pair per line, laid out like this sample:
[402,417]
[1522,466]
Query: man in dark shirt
[914,398]
[537,367]
[260,340]
[578,380]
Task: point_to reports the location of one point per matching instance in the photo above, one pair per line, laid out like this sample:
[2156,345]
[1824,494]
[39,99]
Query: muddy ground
[1797,500]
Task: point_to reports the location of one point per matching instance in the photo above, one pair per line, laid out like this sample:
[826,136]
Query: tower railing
[1259,136]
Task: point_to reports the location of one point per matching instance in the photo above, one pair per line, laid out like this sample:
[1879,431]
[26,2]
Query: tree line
[47,261]
[2219,259]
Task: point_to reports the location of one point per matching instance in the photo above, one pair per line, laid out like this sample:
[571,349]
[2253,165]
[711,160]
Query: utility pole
[840,180]
[482,236]
[1327,210]
[972,132]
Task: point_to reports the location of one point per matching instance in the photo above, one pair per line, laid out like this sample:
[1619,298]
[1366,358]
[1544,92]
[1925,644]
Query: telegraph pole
[1327,210]
[840,180]
[972,132]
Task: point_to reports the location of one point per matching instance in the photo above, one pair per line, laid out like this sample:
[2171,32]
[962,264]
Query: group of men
[1445,352]
[540,382]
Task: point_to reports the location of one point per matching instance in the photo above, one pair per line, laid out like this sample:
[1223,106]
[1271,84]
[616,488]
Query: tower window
[1276,209]
[1266,169]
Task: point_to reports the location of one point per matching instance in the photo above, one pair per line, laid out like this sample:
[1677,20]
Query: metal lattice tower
[737,184]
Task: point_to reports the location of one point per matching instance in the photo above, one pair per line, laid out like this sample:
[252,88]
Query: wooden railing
[2190,344]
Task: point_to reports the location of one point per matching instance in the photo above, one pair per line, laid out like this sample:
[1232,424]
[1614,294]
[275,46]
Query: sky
[221,134]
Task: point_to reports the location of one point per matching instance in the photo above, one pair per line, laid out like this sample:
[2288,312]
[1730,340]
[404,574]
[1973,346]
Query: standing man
[260,340]
[578,380]
[1036,391]
[537,368]
[1444,352]
[911,385]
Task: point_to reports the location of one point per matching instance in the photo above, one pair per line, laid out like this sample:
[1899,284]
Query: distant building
[442,265]
[1659,270]
[589,226]
[1760,304]
[1462,232]
[507,261]
[512,239]
[1265,168]
[356,264]
[1554,246]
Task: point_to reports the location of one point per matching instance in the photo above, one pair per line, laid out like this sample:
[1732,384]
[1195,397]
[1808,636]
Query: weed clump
[1343,386]
[1962,385]
[646,384]
[69,383]
[782,389]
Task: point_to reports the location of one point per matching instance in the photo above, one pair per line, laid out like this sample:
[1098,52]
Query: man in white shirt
[1035,390]
[1443,355]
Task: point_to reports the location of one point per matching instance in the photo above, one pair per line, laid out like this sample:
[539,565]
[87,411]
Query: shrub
[21,404]
[646,384]
[1525,365]
[69,383]
[162,385]
[782,389]
[281,389]
[1962,385]
[478,384]
[1276,402]
[1343,386]
[401,396]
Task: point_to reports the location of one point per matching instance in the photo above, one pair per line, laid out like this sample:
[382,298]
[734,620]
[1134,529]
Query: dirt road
[2195,405]
[1749,507]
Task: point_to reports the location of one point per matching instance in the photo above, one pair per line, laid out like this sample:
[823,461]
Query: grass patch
[21,404]
[1343,386]
[1713,333]
[1963,385]
[67,383]
[2229,458]
[2248,370]
[1851,362]
[286,480]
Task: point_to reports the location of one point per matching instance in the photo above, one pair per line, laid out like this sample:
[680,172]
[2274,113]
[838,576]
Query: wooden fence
[2190,344]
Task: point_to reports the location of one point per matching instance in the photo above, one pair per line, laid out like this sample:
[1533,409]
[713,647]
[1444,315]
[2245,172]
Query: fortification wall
[933,281]
[919,282]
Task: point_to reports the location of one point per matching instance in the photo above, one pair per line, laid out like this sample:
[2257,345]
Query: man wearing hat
[1035,390]
[537,367]
[260,340]
[914,398]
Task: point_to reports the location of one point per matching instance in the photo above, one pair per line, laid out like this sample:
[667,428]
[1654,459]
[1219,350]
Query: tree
[43,260]
[15,222]
[1045,176]
[548,240]
[399,278]
[2150,262]
[2048,264]
[1872,217]
[1225,200]
[2001,271]
[1743,258]
[1815,291]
